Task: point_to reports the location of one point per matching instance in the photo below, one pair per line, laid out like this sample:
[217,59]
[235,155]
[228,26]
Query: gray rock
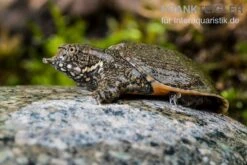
[55,125]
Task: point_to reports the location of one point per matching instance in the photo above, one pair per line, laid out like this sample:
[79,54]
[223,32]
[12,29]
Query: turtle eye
[72,50]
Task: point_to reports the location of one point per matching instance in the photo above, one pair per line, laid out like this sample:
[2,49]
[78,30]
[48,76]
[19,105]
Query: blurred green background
[31,30]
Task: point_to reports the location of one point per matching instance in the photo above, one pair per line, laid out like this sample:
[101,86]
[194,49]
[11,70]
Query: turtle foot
[173,98]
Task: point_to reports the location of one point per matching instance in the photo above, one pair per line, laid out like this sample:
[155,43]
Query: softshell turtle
[129,68]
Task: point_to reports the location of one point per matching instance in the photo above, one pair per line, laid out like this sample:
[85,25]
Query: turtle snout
[48,60]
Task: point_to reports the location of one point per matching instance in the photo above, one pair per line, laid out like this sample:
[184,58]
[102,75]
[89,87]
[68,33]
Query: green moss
[241,47]
[229,94]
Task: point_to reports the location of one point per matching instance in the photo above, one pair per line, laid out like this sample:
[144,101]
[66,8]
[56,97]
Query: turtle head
[80,62]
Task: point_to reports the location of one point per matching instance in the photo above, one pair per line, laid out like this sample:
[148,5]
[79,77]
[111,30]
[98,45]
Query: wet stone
[59,125]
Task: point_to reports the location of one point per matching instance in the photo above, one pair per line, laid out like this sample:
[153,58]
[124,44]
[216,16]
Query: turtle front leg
[107,91]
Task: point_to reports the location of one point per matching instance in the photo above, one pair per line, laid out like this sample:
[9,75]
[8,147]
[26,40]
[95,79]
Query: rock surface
[58,125]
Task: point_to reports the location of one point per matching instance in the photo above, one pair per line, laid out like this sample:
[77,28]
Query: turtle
[138,69]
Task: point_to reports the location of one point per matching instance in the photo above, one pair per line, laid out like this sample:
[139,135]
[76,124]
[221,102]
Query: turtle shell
[170,71]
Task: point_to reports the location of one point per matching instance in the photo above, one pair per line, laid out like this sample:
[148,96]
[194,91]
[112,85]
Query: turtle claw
[97,98]
[173,98]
